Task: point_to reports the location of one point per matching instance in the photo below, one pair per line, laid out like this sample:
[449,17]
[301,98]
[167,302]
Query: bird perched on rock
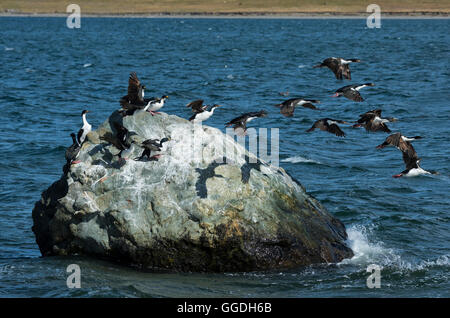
[155,104]
[330,125]
[200,111]
[409,155]
[134,100]
[339,66]
[240,123]
[287,107]
[85,129]
[73,151]
[372,121]
[150,145]
[121,135]
[352,91]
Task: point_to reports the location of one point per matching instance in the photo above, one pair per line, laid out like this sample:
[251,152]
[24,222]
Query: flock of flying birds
[135,101]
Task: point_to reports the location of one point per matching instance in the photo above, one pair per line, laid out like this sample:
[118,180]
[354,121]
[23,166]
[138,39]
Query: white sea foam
[369,251]
[87,65]
[9,49]
[297,159]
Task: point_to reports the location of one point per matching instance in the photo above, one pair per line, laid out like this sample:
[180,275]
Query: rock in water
[196,208]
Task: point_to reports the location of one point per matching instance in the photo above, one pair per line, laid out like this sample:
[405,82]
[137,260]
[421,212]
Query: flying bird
[339,66]
[240,123]
[352,91]
[410,158]
[330,125]
[287,107]
[372,121]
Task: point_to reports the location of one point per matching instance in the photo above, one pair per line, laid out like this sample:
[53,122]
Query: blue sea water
[49,74]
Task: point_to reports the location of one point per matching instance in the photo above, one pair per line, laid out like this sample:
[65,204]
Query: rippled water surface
[49,73]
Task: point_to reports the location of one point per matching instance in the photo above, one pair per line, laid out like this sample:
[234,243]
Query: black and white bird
[73,151]
[134,100]
[240,123]
[287,107]
[150,145]
[339,66]
[330,125]
[155,104]
[372,121]
[197,106]
[122,135]
[352,91]
[410,157]
[85,129]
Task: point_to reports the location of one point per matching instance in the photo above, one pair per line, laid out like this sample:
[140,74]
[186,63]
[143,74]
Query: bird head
[165,96]
[84,112]
[165,139]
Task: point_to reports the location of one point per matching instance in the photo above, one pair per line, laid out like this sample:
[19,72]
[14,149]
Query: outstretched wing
[353,95]
[345,69]
[309,105]
[334,65]
[410,158]
[134,88]
[333,128]
[287,110]
[196,105]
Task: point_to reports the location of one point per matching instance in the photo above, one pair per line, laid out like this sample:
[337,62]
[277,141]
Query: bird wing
[309,105]
[410,158]
[334,65]
[333,128]
[287,110]
[345,69]
[377,126]
[134,88]
[353,95]
[80,133]
[196,105]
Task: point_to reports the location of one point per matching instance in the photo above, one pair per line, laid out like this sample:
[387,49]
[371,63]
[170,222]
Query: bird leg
[153,113]
[155,157]
[397,175]
[75,162]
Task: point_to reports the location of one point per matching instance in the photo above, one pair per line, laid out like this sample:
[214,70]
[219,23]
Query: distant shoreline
[274,15]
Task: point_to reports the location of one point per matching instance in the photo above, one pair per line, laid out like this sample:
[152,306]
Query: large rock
[186,211]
